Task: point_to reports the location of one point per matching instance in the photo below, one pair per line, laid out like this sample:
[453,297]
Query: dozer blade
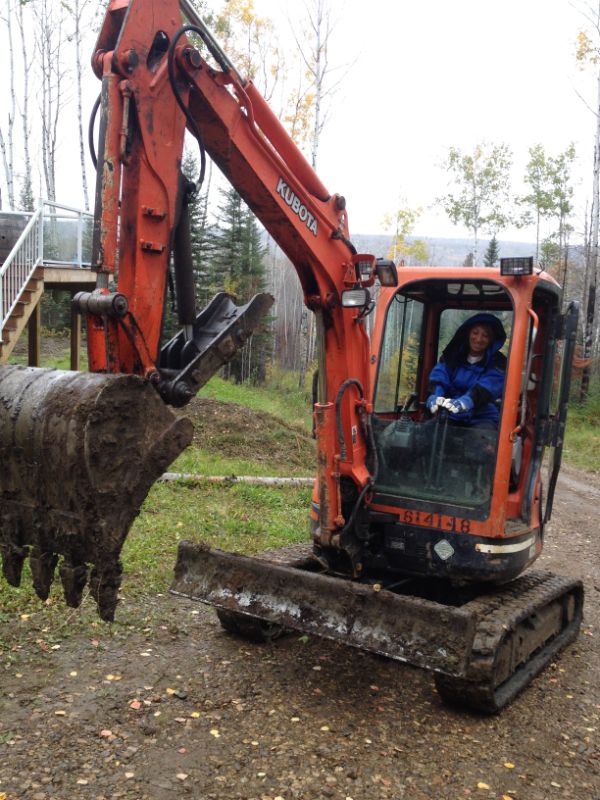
[284,590]
[78,455]
[483,653]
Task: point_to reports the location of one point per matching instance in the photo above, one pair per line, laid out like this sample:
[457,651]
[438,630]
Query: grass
[279,397]
[582,439]
[200,462]
[239,518]
[236,517]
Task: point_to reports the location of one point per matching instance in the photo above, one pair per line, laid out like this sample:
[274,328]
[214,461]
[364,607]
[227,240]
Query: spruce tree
[492,254]
[238,268]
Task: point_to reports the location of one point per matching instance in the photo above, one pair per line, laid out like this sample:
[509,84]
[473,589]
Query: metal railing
[54,236]
[67,236]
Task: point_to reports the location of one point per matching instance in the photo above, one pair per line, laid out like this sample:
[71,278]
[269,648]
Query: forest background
[296,57]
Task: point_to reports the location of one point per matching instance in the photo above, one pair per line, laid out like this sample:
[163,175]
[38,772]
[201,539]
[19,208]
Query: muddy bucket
[78,455]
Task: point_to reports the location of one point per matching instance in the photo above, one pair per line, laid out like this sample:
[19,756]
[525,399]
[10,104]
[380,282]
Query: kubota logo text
[297,206]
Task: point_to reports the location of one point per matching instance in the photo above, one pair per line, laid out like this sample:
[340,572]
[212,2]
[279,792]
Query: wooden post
[75,338]
[34,335]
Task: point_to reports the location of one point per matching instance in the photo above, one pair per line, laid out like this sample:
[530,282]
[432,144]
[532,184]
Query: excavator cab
[450,498]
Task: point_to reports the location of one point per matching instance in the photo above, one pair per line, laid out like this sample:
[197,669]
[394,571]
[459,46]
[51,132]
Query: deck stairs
[15,323]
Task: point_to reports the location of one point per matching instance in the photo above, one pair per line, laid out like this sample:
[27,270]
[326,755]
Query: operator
[469,377]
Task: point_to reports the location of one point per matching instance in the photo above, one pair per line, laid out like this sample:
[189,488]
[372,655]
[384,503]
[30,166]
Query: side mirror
[386,272]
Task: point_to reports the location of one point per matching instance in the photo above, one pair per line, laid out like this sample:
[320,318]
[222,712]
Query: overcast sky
[424,75]
[432,74]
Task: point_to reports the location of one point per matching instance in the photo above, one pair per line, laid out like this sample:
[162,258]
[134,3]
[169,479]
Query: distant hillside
[442,252]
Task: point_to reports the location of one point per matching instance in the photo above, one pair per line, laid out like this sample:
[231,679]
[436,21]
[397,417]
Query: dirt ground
[169,706]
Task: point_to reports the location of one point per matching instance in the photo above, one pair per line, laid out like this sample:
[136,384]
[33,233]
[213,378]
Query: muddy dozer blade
[284,590]
[78,455]
[483,653]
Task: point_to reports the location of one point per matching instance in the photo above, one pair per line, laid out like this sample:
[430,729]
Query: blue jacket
[483,381]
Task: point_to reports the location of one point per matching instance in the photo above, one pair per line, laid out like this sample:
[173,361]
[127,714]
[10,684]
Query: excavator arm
[113,433]
[161,83]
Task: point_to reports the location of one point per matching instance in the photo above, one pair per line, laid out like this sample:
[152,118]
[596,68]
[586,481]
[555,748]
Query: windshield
[426,351]
[436,460]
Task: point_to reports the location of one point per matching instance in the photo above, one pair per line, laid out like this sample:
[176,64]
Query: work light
[516,266]
[386,272]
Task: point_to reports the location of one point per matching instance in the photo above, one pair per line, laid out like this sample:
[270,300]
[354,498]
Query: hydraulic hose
[92,122]
[370,438]
[338,412]
[190,119]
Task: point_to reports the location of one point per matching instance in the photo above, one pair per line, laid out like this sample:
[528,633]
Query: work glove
[460,405]
[434,402]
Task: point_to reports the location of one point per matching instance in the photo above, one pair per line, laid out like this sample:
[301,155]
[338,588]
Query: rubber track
[498,611]
[499,614]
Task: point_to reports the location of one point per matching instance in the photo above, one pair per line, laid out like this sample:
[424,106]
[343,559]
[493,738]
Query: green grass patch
[582,439]
[199,462]
[239,518]
[277,397]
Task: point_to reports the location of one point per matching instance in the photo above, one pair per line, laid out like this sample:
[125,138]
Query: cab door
[563,362]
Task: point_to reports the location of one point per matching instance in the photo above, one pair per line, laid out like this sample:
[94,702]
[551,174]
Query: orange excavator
[420,528]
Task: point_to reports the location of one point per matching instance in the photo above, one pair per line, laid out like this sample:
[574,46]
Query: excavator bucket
[79,453]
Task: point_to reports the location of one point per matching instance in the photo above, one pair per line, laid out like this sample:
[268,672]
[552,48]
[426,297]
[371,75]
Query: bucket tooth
[74,579]
[104,587]
[42,566]
[13,557]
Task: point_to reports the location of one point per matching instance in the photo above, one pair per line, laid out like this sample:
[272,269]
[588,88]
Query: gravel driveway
[166,705]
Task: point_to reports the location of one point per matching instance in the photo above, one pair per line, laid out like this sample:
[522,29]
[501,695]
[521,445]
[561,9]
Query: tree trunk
[77,13]
[8,154]
[49,42]
[27,200]
[592,265]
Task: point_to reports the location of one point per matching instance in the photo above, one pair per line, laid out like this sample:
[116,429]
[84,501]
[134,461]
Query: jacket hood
[458,347]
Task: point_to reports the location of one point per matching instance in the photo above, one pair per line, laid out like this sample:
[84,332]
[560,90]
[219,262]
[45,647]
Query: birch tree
[313,46]
[251,43]
[78,11]
[403,247]
[7,141]
[539,179]
[480,197]
[27,200]
[588,54]
[562,201]
[49,41]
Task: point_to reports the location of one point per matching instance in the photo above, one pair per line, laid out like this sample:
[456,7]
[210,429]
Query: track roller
[250,628]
